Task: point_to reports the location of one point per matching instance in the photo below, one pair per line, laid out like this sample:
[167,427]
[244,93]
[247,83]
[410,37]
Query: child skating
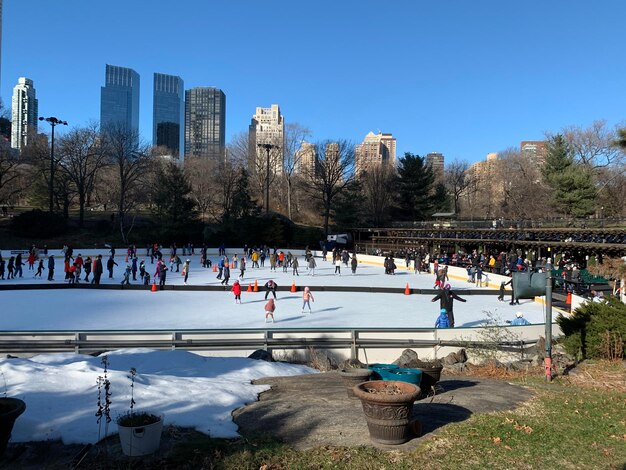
[270,306]
[307,298]
[236,290]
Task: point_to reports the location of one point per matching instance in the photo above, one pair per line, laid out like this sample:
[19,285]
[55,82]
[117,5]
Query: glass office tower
[168,112]
[205,123]
[119,99]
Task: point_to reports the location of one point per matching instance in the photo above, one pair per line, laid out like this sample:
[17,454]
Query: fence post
[353,350]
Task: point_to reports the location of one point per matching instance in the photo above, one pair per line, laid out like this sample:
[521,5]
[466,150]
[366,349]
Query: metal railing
[350,340]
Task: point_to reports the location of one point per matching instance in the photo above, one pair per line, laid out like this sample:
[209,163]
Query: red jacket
[236,289]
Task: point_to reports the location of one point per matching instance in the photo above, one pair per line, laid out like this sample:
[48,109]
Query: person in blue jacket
[520,320]
[442,320]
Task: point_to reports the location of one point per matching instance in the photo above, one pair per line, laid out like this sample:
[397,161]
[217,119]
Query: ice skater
[446,301]
[307,298]
[442,319]
[236,290]
[270,307]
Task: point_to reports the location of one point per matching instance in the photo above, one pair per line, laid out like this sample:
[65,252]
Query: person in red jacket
[270,306]
[236,290]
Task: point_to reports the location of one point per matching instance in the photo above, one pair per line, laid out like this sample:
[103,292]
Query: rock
[406,359]
[261,355]
[450,359]
[455,357]
[461,355]
[322,360]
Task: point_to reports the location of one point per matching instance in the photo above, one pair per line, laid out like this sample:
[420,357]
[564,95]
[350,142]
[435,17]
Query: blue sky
[461,77]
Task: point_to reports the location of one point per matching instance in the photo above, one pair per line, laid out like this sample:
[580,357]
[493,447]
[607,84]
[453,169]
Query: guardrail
[381,343]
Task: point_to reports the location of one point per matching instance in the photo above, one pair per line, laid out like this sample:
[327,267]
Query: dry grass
[600,375]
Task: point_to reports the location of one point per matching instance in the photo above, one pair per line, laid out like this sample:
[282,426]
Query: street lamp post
[53,123]
[267,148]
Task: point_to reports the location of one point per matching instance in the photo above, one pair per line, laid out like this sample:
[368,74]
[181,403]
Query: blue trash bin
[381,371]
[412,376]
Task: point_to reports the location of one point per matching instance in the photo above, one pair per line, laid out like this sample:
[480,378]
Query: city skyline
[463,80]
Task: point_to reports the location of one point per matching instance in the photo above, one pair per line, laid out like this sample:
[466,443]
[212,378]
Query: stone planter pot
[352,377]
[430,377]
[10,410]
[140,436]
[387,406]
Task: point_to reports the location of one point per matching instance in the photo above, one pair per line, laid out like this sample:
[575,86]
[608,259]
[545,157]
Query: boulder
[322,360]
[406,359]
[261,355]
[455,357]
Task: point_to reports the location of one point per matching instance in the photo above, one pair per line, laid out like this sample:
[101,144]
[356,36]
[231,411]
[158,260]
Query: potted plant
[140,432]
[354,376]
[10,410]
[431,374]
[387,406]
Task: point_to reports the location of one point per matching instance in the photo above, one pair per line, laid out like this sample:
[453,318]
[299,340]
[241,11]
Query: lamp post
[267,148]
[53,123]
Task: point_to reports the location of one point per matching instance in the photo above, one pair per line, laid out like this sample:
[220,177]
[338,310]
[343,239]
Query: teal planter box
[382,371]
[412,376]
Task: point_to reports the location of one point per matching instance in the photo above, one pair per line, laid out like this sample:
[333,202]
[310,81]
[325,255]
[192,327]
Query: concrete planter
[140,435]
[10,410]
[387,406]
[352,377]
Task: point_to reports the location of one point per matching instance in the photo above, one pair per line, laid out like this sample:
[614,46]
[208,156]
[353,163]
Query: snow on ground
[60,391]
[117,309]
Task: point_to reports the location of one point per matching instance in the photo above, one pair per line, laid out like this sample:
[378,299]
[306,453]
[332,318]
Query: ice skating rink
[96,309]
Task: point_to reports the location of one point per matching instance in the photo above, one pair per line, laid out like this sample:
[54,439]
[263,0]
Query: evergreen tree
[347,211]
[172,197]
[242,203]
[573,191]
[415,181]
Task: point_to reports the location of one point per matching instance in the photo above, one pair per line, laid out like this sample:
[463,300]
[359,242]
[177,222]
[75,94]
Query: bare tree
[456,180]
[203,174]
[376,182]
[10,183]
[594,146]
[334,170]
[81,158]
[295,135]
[131,163]
[525,196]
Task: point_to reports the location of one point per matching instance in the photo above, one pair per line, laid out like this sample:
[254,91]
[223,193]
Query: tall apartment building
[436,162]
[119,99]
[534,149]
[267,127]
[168,113]
[376,149]
[24,113]
[305,159]
[205,123]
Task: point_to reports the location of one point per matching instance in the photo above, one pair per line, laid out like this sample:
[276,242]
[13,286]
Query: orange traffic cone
[568,301]
[407,291]
[154,286]
[256,286]
[293,286]
[249,288]
[214,268]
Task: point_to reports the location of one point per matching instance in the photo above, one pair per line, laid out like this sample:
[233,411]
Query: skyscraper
[436,162]
[205,123]
[119,99]
[168,112]
[24,113]
[376,149]
[268,127]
